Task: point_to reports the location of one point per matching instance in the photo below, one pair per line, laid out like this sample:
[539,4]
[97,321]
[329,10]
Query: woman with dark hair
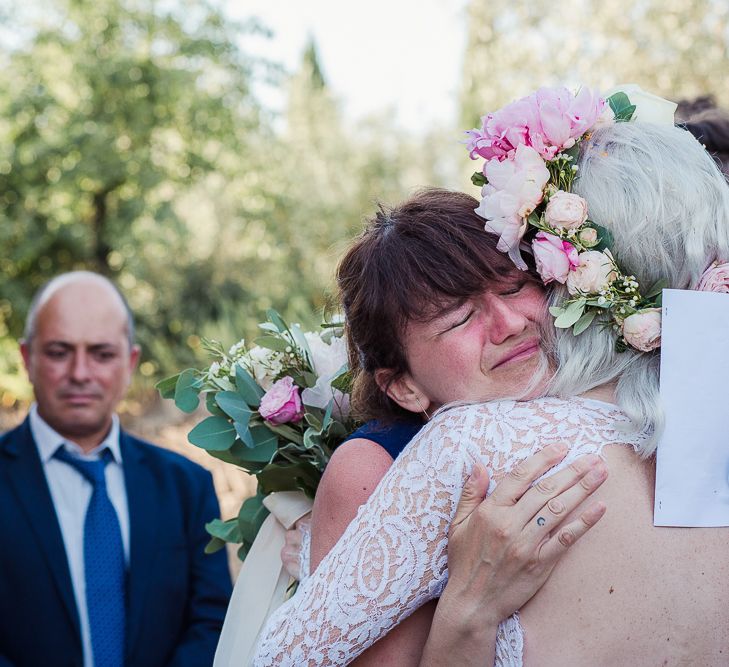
[416,246]
[632,594]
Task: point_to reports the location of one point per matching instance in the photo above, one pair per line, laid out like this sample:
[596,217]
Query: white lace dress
[393,557]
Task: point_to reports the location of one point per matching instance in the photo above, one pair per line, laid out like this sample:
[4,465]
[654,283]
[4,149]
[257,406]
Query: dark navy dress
[391,437]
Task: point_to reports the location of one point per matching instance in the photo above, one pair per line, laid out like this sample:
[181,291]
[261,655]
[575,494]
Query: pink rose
[282,403]
[554,257]
[594,273]
[565,210]
[642,330]
[715,279]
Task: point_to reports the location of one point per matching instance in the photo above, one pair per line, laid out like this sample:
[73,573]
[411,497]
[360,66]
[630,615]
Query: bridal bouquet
[277,409]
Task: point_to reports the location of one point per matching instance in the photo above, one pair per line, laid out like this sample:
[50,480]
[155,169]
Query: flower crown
[530,149]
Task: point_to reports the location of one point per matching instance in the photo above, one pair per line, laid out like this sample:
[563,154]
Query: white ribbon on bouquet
[262,582]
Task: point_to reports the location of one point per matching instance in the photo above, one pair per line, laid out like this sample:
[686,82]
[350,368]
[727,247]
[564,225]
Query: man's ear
[403,390]
[25,353]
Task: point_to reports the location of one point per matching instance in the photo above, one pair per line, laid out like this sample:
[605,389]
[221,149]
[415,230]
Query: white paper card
[692,460]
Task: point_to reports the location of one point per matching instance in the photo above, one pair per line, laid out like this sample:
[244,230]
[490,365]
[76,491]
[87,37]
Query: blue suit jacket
[176,595]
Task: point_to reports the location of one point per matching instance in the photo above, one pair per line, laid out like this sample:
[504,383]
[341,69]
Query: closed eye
[460,322]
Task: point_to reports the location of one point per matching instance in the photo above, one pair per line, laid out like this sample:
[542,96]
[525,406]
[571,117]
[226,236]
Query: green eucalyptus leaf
[312,439]
[478,179]
[287,432]
[215,544]
[247,387]
[243,432]
[656,289]
[621,106]
[289,477]
[262,435]
[605,238]
[556,311]
[313,420]
[187,390]
[213,433]
[571,314]
[584,322]
[211,405]
[227,531]
[250,519]
[233,405]
[166,387]
[272,343]
[303,345]
[276,320]
[342,380]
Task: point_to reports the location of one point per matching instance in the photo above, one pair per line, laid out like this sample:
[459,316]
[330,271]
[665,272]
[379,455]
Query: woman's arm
[502,549]
[391,559]
[354,471]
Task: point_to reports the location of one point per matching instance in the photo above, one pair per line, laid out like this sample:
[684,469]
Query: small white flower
[601,300]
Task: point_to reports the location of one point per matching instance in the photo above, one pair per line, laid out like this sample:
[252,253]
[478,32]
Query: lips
[518,353]
[79,399]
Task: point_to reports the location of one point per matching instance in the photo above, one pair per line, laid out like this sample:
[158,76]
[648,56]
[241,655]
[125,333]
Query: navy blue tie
[104,565]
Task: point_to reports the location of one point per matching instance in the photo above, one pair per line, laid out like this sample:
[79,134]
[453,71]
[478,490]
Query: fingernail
[476,473]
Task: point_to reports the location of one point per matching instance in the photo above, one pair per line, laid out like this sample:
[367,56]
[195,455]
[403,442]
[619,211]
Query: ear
[134,354]
[403,390]
[25,353]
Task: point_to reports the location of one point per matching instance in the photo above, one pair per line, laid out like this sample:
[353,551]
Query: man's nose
[80,369]
[505,320]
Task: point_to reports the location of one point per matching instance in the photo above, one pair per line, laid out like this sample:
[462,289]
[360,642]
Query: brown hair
[412,262]
[710,125]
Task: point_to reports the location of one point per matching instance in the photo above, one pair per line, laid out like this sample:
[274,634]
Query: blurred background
[214,158]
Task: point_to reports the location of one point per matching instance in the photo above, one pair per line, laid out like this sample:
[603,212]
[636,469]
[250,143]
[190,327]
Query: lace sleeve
[389,561]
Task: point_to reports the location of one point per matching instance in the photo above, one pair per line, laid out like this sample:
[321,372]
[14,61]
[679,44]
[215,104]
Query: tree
[111,110]
[674,48]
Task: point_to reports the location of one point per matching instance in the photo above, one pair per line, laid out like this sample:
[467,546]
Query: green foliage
[621,107]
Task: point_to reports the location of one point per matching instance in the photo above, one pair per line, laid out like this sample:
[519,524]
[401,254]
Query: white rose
[326,358]
[594,273]
[642,330]
[565,210]
[649,108]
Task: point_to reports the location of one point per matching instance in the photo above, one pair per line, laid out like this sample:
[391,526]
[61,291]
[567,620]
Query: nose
[505,320]
[80,371]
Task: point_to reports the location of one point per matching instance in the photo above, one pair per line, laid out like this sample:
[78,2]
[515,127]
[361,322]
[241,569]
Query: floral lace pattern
[393,557]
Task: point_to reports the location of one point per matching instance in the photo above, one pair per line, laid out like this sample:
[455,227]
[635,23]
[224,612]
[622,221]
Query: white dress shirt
[71,493]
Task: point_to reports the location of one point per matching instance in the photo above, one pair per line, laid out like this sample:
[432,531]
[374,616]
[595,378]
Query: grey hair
[667,205]
[54,284]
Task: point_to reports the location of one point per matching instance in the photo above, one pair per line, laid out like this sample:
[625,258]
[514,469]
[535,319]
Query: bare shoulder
[355,470]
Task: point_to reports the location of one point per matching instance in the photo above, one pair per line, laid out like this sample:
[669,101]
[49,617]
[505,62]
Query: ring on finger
[541,521]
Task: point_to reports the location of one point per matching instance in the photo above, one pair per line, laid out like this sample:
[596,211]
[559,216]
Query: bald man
[102,561]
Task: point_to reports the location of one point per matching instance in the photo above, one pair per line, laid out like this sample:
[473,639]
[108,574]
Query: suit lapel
[142,500]
[28,481]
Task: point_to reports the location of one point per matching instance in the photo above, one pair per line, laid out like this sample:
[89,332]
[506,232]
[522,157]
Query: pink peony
[715,279]
[549,120]
[554,257]
[594,273]
[565,210]
[642,330]
[281,403]
[514,190]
